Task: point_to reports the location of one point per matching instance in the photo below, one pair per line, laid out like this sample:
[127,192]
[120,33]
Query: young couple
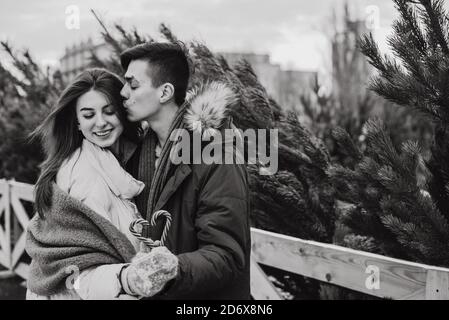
[107,164]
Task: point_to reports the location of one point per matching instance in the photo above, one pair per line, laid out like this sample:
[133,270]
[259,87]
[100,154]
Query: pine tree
[25,98]
[393,212]
[396,217]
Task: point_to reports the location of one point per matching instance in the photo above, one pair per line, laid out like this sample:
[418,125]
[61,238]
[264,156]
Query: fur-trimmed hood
[208,106]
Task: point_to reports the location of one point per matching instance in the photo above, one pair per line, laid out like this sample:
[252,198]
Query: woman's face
[98,119]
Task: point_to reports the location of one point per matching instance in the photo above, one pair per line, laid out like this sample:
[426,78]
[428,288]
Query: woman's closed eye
[88,115]
[110,111]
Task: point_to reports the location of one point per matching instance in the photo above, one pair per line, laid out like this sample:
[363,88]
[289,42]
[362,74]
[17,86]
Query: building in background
[350,68]
[77,57]
[284,86]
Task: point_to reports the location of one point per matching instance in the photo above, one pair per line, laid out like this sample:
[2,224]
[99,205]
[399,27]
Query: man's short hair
[168,61]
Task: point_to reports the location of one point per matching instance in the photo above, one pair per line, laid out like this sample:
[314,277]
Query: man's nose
[124,92]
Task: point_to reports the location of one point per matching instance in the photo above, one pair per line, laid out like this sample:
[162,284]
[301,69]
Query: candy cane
[144,223]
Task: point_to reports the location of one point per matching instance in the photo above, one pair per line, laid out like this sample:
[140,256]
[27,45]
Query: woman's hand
[149,272]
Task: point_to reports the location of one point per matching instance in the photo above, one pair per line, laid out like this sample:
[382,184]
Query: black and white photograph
[242,151]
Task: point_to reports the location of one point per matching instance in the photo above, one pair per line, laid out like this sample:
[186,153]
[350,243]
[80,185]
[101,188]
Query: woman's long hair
[59,132]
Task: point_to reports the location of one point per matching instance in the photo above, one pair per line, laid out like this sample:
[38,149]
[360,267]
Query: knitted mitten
[149,272]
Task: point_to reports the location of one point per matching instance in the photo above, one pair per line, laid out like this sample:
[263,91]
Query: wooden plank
[6,274]
[2,204]
[19,249]
[261,286]
[4,261]
[3,240]
[19,211]
[22,270]
[345,267]
[437,286]
[7,213]
[15,231]
[23,191]
[4,187]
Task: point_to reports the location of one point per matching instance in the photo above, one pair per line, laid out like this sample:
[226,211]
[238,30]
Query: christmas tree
[395,212]
[25,98]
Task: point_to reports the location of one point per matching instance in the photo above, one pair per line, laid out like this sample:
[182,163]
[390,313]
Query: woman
[79,241]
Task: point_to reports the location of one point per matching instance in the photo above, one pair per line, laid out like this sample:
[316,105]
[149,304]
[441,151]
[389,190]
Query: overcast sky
[293,32]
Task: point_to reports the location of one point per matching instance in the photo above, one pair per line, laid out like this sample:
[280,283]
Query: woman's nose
[100,121]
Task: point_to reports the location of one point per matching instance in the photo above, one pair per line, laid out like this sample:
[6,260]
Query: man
[209,234]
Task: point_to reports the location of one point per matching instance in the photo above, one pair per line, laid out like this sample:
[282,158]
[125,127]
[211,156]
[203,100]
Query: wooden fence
[369,273]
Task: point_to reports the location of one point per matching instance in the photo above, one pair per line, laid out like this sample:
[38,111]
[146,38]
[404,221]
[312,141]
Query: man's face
[142,100]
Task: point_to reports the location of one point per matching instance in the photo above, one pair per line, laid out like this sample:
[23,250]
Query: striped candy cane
[144,223]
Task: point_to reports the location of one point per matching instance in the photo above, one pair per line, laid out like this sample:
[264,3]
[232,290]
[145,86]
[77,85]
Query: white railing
[13,228]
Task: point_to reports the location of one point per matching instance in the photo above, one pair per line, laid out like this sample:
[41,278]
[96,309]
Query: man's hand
[149,272]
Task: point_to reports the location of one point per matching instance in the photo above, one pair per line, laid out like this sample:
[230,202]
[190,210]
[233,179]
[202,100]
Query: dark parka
[209,205]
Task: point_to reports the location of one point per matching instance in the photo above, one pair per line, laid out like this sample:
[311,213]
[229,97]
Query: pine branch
[435,19]
[116,46]
[410,26]
[166,32]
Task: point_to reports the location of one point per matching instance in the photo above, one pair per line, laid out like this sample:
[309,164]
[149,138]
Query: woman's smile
[103,133]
